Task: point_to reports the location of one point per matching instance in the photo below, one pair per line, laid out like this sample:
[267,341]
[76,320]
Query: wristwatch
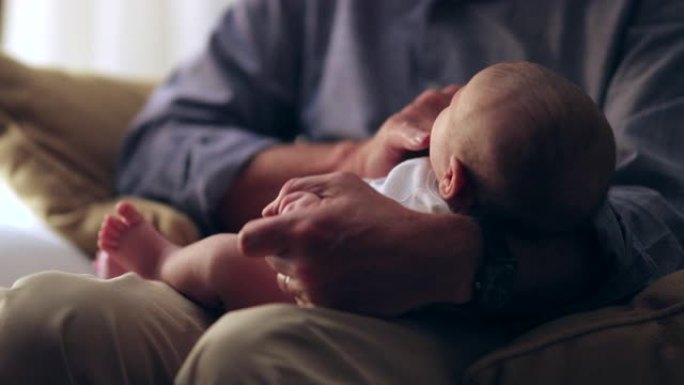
[495,280]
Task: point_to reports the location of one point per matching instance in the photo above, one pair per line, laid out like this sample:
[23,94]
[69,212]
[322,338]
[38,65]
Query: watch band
[495,281]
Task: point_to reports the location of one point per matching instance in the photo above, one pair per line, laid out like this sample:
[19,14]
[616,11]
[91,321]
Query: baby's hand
[290,202]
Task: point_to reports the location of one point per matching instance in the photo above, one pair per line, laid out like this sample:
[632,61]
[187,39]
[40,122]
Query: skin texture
[341,253]
[518,141]
[401,136]
[369,267]
[212,272]
[335,242]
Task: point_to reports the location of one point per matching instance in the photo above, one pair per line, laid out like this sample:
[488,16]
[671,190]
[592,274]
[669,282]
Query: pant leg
[284,344]
[58,328]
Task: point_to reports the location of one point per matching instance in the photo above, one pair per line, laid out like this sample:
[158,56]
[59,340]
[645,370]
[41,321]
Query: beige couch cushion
[59,136]
[641,343]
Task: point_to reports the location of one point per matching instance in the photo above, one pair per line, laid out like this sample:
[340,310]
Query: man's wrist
[259,181]
[495,279]
[472,257]
[462,247]
[345,157]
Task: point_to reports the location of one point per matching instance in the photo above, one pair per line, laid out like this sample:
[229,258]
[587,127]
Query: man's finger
[297,201]
[430,101]
[292,286]
[267,236]
[408,136]
[450,90]
[322,186]
[281,266]
[313,184]
[271,209]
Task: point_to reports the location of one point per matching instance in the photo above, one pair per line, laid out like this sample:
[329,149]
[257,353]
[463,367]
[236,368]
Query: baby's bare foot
[107,267]
[133,241]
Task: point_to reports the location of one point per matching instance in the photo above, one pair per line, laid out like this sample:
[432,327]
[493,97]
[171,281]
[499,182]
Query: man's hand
[354,249]
[401,136]
[292,201]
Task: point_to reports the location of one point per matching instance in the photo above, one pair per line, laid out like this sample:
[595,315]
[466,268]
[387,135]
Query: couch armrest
[638,343]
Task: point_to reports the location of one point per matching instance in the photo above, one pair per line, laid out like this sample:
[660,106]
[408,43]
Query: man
[216,141]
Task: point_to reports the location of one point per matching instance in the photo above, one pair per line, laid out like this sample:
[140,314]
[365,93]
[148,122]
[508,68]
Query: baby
[517,143]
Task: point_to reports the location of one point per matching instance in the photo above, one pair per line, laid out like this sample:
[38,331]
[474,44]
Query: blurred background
[138,38]
[128,38]
[121,38]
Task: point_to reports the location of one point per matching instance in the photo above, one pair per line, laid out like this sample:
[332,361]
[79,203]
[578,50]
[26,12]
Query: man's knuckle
[305,231]
[428,96]
[342,177]
[289,185]
[396,119]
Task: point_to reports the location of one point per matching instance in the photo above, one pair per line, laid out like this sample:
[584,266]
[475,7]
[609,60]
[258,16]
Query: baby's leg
[107,267]
[133,241]
[211,271]
[214,273]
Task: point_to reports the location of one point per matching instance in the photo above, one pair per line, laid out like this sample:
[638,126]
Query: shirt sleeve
[642,224]
[217,111]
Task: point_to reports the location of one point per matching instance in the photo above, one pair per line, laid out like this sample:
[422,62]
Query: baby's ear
[452,186]
[453,181]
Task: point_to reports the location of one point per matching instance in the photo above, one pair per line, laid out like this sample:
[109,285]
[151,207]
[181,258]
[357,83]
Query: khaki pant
[58,328]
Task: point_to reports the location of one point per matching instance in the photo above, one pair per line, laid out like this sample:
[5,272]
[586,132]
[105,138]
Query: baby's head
[521,143]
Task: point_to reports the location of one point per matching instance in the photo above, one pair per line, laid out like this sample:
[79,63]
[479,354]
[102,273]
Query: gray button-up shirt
[274,70]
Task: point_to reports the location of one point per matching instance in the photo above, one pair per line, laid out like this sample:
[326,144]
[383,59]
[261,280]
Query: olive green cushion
[59,138]
[641,343]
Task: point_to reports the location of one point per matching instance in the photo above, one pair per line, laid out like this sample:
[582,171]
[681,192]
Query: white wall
[122,37]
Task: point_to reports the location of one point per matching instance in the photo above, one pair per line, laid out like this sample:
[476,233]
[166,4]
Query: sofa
[59,136]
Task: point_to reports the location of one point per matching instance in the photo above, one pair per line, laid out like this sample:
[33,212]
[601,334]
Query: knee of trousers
[74,326]
[253,346]
[51,308]
[286,344]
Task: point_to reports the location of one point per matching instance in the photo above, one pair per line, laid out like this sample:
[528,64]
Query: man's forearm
[552,272]
[262,178]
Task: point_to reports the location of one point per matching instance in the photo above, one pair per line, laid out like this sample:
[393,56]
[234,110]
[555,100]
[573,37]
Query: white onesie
[413,184]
